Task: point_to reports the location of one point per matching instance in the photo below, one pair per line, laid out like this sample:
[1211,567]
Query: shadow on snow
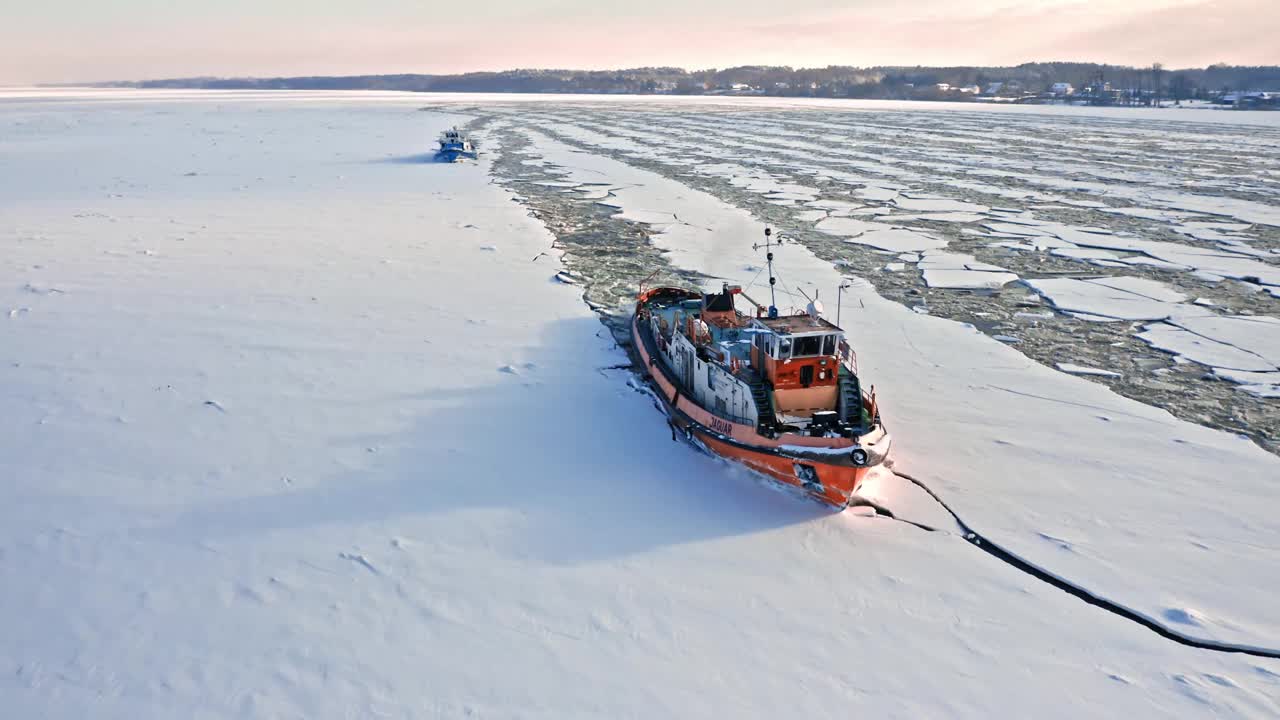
[585,462]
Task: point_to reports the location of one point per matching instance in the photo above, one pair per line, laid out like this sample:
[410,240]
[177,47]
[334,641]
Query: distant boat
[454,146]
[779,393]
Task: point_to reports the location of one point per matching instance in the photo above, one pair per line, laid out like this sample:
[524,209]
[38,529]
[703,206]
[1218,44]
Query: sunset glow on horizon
[74,40]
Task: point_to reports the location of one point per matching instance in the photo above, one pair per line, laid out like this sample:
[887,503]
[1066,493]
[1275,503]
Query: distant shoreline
[1165,104]
[1029,83]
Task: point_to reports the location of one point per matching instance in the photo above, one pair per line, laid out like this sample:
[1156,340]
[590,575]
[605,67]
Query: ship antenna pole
[768,247]
[773,300]
[844,285]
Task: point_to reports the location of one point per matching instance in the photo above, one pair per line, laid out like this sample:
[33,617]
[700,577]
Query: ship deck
[734,343]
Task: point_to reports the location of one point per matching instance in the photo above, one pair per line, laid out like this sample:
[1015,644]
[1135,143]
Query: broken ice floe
[934,203]
[945,217]
[898,240]
[835,205]
[876,193]
[1082,370]
[956,271]
[1192,332]
[1079,253]
[1242,343]
[879,235]
[850,227]
[1261,384]
[1203,350]
[648,217]
[1120,298]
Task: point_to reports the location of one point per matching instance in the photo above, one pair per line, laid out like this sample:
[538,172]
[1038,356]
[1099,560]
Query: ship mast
[768,246]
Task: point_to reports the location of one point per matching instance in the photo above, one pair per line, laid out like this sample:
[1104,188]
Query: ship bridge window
[784,348]
[829,344]
[807,346]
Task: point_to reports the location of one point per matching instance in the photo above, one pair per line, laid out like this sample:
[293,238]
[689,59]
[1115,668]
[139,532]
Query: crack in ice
[1015,561]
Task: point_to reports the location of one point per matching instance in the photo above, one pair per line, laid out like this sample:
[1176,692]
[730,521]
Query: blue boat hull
[453,152]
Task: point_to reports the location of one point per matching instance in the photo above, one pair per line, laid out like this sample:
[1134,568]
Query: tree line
[832,81]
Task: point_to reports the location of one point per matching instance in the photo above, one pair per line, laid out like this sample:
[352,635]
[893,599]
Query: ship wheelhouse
[800,357]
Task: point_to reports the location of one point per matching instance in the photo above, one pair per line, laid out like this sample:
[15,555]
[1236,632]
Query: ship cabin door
[763,349]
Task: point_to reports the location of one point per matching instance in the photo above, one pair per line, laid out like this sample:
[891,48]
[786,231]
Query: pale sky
[90,40]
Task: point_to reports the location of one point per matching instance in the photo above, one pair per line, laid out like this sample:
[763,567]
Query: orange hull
[835,485]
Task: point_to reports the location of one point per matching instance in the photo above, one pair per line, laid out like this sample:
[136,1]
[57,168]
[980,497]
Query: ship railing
[848,357]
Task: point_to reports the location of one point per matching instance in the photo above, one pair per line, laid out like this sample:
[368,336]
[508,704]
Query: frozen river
[1131,250]
[297,424]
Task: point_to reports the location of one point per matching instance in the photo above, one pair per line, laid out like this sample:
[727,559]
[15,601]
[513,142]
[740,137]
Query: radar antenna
[814,308]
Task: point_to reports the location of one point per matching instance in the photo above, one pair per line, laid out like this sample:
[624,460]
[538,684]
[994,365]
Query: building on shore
[1251,100]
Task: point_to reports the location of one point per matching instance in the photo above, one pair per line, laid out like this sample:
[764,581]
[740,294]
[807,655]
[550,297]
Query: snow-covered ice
[1082,370]
[717,240]
[896,240]
[955,270]
[1119,298]
[306,434]
[1244,343]
[850,227]
[937,204]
